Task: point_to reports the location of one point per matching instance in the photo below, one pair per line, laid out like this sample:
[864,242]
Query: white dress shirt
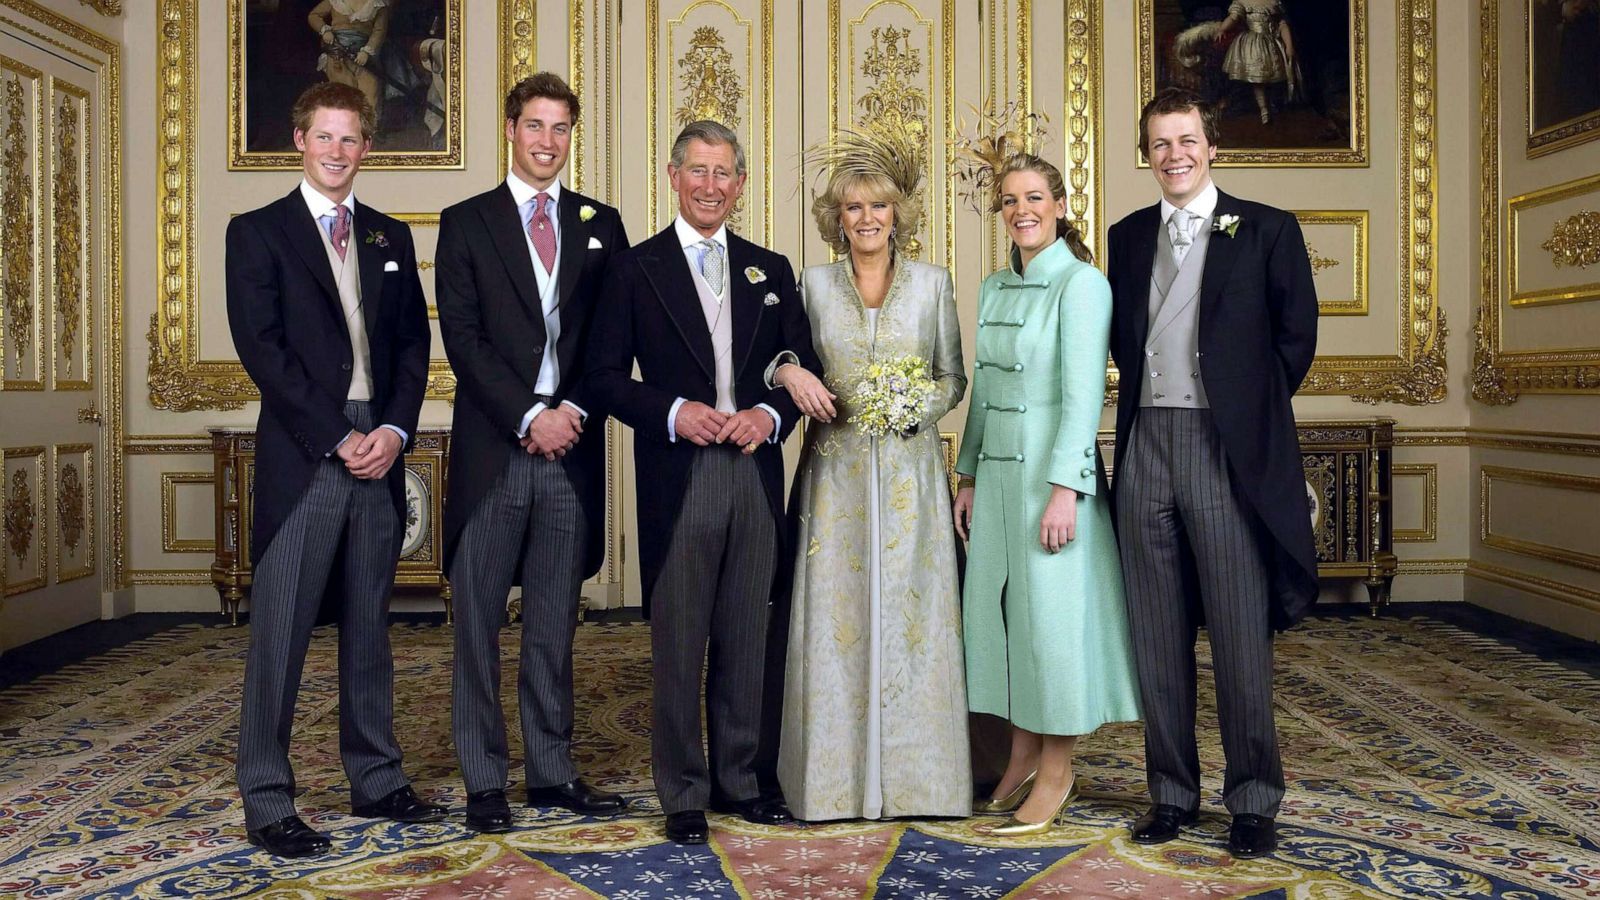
[321,206]
[1201,207]
[525,194]
[691,240]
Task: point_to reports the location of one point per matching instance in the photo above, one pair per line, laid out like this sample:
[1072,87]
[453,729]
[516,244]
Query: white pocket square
[594,243]
[391,266]
[770,299]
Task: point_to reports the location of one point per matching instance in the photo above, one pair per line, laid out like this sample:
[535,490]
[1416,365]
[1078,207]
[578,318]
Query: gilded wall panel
[71,260]
[1550,516]
[187,510]
[1336,243]
[23,266]
[1416,499]
[26,537]
[1537,231]
[76,537]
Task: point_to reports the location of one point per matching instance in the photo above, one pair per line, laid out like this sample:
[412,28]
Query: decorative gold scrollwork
[711,88]
[894,106]
[1575,241]
[69,506]
[17,285]
[69,226]
[19,516]
[1318,261]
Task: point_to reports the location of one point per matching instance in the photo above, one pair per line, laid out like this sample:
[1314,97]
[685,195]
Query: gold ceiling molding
[1499,376]
[104,7]
[103,56]
[1575,241]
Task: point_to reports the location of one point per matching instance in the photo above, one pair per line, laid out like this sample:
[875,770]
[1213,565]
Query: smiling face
[541,138]
[331,151]
[1180,155]
[1030,213]
[707,185]
[867,218]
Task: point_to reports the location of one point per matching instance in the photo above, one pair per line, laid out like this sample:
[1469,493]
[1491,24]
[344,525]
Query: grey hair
[710,132]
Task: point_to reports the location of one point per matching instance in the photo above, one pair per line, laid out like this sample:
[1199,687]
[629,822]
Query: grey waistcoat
[1172,345]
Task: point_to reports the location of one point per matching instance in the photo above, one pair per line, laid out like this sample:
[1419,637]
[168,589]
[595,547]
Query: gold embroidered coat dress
[874,716]
[1056,658]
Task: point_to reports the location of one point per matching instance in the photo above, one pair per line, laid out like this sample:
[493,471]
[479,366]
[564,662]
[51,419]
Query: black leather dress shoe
[578,797]
[1251,836]
[758,810]
[289,837]
[401,805]
[688,827]
[488,812]
[1162,822]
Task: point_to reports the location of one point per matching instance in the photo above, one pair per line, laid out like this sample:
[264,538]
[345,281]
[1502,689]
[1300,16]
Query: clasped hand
[553,432]
[703,426]
[370,455]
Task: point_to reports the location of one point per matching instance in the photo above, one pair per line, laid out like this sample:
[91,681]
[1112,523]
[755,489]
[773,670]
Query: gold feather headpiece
[996,136]
[869,153]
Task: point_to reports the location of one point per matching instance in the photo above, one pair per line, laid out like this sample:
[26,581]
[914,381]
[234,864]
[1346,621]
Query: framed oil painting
[1290,76]
[1563,73]
[405,55]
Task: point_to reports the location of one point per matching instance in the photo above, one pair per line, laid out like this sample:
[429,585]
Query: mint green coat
[1057,659]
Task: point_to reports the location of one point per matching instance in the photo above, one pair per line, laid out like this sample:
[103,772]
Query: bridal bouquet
[892,396]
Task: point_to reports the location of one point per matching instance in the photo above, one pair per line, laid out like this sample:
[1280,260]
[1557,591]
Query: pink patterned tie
[341,230]
[542,233]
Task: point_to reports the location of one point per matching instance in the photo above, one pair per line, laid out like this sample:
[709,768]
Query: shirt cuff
[404,438]
[672,419]
[777,422]
[784,358]
[583,414]
[527,419]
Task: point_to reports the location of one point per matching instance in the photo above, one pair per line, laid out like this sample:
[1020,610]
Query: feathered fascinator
[996,136]
[873,154]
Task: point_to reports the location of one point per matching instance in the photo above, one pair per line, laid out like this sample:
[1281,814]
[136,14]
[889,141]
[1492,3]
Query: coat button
[1017,367]
[986,405]
[1088,451]
[1023,408]
[1021,458]
[1086,473]
[538,351]
[1158,395]
[345,366]
[982,456]
[1188,397]
[982,322]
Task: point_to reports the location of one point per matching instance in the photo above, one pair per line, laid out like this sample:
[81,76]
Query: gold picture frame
[1338,130]
[1358,221]
[420,120]
[1577,240]
[1562,104]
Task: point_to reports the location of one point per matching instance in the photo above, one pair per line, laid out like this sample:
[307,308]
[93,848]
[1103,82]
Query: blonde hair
[1027,162]
[827,206]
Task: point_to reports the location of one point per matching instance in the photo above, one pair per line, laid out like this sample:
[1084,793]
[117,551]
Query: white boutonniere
[770,299]
[1227,224]
[755,274]
[585,213]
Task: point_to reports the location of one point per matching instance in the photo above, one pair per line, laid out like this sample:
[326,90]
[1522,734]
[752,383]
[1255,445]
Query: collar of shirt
[1203,205]
[522,192]
[689,237]
[321,206]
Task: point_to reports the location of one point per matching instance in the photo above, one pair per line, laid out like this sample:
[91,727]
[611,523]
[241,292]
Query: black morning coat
[492,322]
[289,331]
[650,312]
[1258,336]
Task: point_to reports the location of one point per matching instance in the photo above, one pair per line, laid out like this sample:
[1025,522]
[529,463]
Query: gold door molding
[101,56]
[23,266]
[1500,376]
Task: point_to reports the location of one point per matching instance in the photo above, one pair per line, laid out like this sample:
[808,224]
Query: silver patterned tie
[711,267]
[1178,230]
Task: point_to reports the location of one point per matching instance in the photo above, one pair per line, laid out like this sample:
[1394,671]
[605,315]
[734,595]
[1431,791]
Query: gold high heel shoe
[997,806]
[1015,827]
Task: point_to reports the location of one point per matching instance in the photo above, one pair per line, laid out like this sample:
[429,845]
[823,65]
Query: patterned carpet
[1424,761]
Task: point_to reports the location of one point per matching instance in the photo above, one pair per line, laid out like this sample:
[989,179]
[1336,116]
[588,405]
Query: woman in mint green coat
[1047,644]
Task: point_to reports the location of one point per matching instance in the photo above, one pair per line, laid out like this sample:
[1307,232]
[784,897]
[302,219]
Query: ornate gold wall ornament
[710,83]
[1575,241]
[19,515]
[893,106]
[104,7]
[1318,261]
[519,55]
[16,191]
[1082,117]
[68,214]
[69,506]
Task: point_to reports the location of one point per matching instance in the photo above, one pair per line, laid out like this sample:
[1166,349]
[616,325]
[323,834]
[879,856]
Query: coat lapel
[574,245]
[747,300]
[667,270]
[370,258]
[1220,254]
[306,240]
[1141,262]
[504,224]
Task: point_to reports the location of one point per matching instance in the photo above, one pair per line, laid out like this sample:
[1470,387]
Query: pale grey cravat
[711,268]
[1180,229]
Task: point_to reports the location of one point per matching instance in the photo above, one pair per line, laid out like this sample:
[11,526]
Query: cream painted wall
[782,53]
